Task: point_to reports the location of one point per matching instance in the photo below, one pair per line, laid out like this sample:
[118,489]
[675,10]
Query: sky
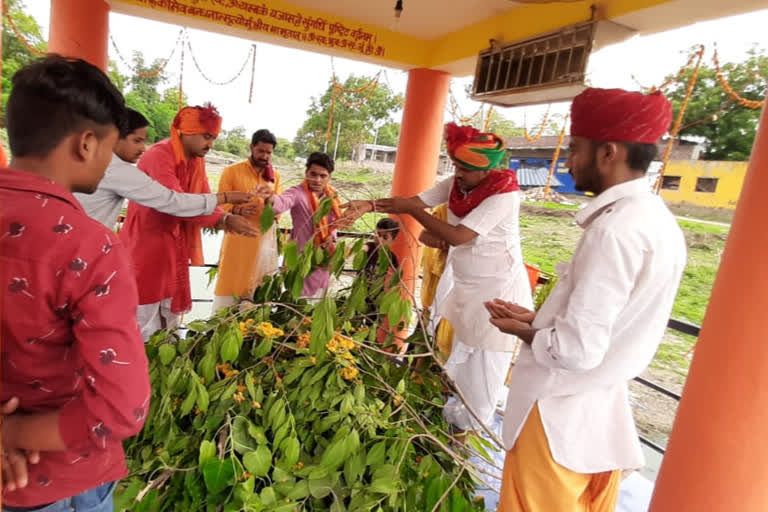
[287,79]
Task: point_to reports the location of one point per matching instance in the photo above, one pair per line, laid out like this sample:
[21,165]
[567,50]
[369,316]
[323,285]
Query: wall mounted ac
[544,69]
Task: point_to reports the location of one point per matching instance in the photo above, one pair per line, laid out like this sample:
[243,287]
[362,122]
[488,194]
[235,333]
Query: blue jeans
[98,499]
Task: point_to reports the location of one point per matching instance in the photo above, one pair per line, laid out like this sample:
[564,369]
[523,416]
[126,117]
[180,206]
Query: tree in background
[144,91]
[285,149]
[358,123]
[235,141]
[728,128]
[15,53]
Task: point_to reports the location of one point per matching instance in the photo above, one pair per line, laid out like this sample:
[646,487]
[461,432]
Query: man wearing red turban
[568,424]
[482,232]
[163,247]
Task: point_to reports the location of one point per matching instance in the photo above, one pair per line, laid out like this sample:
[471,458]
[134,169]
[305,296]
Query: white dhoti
[479,374]
[481,354]
[157,316]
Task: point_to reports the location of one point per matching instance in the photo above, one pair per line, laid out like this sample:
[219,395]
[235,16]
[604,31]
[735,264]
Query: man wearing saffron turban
[483,233]
[163,247]
[568,425]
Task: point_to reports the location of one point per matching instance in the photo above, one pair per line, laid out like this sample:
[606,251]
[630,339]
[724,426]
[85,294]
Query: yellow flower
[238,397]
[348,373]
[332,345]
[347,343]
[307,321]
[256,405]
[398,400]
[303,340]
[245,476]
[249,322]
[313,360]
[348,357]
[241,388]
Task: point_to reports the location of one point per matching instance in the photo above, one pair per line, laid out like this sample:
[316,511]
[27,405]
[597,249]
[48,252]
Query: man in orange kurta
[239,269]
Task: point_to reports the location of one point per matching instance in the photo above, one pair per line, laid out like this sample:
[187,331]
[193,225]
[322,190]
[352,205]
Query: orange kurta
[239,254]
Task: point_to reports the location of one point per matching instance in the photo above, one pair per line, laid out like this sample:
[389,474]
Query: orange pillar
[80,28]
[719,444]
[418,154]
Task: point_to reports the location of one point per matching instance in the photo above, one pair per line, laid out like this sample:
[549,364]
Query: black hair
[56,96]
[388,224]
[265,136]
[133,121]
[321,159]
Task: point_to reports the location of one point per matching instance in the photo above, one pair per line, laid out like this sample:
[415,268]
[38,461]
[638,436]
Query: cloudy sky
[286,79]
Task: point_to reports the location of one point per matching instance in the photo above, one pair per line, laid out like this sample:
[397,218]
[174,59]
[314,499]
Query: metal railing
[680,326]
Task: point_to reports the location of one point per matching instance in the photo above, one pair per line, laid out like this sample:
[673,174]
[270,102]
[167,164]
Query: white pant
[157,316]
[480,375]
[222,301]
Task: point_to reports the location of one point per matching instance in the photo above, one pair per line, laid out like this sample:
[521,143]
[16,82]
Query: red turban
[620,116]
[193,121]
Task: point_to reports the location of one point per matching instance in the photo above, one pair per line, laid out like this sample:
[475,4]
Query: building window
[708,185]
[670,182]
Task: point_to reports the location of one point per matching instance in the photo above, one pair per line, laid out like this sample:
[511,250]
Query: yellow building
[703,183]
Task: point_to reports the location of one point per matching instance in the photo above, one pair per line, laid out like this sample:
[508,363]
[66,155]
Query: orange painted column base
[718,448]
[80,28]
[418,154]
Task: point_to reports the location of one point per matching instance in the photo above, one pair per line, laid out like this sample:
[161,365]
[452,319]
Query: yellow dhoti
[534,482]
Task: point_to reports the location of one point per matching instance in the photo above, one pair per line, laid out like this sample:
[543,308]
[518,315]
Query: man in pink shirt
[72,354]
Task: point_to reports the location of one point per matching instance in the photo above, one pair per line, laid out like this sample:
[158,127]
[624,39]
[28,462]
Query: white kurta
[488,267]
[599,328]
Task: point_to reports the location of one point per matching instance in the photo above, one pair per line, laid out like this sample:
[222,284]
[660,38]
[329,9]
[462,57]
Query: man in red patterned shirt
[71,350]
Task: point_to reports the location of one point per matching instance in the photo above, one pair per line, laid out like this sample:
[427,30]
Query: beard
[587,178]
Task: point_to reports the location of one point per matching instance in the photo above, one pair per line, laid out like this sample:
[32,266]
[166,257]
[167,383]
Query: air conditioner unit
[545,69]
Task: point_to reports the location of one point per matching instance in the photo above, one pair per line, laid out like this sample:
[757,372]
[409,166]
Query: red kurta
[157,241]
[70,341]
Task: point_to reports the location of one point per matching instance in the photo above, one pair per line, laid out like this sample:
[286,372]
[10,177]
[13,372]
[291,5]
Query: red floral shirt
[70,340]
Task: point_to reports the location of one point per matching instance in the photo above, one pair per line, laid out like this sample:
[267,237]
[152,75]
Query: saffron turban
[193,121]
[472,149]
[616,115]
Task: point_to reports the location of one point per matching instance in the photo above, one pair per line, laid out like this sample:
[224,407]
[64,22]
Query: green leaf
[251,388]
[400,387]
[291,255]
[354,468]
[257,433]
[244,490]
[290,448]
[323,209]
[167,353]
[337,260]
[319,255]
[322,326]
[359,262]
[297,285]
[189,401]
[258,461]
[218,475]
[207,452]
[282,433]
[263,348]
[306,258]
[198,326]
[276,408]
[207,367]
[384,486]
[268,496]
[259,394]
[267,217]
[377,454]
[203,400]
[230,348]
[319,488]
[242,441]
[458,503]
[299,491]
[334,455]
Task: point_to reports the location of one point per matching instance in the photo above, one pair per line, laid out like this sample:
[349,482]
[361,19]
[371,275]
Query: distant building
[529,156]
[383,157]
[703,183]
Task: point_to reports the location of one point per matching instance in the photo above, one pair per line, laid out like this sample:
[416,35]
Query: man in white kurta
[485,261]
[568,424]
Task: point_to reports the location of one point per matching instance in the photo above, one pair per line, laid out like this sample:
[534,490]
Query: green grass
[355,175]
[555,206]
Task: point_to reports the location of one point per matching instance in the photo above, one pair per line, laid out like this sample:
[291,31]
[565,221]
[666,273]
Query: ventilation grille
[547,68]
